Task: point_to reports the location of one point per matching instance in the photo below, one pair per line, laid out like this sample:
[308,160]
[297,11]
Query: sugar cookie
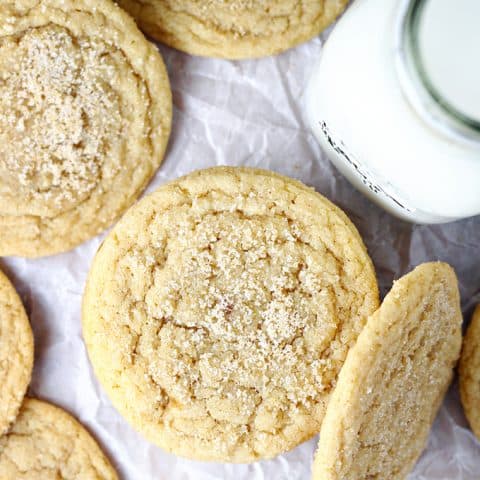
[469,370]
[393,380]
[85,112]
[220,309]
[46,443]
[16,353]
[233,28]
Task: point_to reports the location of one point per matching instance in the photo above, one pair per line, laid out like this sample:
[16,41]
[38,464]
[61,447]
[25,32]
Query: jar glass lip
[420,91]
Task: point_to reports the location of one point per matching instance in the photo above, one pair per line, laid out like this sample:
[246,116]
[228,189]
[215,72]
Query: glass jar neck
[431,75]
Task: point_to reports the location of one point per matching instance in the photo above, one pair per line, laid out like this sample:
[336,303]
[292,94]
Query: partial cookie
[393,381]
[220,309]
[85,113]
[46,443]
[470,373]
[16,353]
[233,28]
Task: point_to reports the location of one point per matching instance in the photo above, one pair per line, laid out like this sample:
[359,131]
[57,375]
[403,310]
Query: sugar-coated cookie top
[220,309]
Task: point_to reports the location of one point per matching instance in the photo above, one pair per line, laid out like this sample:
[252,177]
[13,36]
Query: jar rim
[422,95]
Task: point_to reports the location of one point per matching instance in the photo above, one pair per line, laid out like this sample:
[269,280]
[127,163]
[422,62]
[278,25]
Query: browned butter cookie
[16,353]
[46,443]
[233,28]
[393,381]
[85,112]
[470,373]
[220,309]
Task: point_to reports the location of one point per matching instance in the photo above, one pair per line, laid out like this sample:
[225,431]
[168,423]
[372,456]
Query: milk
[382,127]
[449,46]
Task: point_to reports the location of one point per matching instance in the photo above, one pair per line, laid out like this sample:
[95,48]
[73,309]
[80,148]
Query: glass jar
[395,103]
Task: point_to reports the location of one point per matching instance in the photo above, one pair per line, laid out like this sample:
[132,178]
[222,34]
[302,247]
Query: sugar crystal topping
[59,116]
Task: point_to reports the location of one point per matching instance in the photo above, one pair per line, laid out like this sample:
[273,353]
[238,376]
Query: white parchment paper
[240,113]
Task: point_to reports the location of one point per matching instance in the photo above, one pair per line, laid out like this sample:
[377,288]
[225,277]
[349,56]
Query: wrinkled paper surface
[241,113]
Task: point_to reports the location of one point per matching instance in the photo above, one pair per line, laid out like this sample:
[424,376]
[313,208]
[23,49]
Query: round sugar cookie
[233,29]
[469,370]
[16,353]
[220,309]
[47,443]
[85,113]
[393,381]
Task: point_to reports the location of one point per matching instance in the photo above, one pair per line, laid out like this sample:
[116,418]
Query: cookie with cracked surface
[85,113]
[233,28]
[469,371]
[16,353]
[46,442]
[220,309]
[393,381]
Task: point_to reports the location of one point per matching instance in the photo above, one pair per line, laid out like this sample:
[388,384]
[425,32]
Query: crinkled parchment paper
[241,113]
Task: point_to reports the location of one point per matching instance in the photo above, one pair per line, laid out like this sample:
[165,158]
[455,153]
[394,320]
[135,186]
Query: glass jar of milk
[395,102]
